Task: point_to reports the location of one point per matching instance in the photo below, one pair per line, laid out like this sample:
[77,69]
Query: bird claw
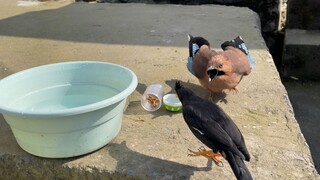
[209,154]
[202,148]
[218,163]
[235,89]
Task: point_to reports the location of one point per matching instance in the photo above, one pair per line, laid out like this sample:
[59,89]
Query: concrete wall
[304,14]
[302,40]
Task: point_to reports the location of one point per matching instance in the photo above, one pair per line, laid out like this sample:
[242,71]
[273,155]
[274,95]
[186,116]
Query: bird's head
[182,92]
[213,72]
[219,65]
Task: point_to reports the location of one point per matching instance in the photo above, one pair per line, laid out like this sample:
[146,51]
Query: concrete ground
[151,40]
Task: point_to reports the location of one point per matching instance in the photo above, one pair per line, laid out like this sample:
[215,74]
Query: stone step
[301,54]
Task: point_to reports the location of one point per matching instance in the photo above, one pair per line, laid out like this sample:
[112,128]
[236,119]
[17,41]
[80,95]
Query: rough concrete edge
[31,167]
[302,37]
[290,117]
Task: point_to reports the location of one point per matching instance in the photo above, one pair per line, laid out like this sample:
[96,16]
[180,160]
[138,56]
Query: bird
[219,70]
[215,129]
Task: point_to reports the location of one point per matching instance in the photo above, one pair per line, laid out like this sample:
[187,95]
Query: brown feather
[233,62]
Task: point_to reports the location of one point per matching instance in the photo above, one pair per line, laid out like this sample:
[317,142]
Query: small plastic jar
[151,100]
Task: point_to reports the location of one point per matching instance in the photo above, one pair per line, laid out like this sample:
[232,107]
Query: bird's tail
[239,43]
[238,166]
[194,44]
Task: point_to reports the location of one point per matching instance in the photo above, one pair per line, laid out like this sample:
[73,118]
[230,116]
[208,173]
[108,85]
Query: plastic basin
[66,109]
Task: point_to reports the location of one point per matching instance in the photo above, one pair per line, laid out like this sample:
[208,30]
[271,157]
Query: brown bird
[219,70]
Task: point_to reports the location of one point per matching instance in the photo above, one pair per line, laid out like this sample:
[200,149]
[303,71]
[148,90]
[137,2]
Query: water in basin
[63,97]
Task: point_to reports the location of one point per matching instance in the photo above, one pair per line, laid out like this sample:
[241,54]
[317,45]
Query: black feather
[214,128]
[196,40]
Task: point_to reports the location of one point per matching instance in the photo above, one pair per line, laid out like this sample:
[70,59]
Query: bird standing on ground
[219,70]
[213,127]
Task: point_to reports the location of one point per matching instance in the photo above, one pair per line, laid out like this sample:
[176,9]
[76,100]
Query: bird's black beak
[178,85]
[213,72]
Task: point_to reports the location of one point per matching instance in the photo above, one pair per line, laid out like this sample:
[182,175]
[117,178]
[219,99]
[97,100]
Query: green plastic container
[66,109]
[172,103]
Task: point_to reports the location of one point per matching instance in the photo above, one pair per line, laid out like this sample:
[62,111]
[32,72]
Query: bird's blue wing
[194,48]
[239,43]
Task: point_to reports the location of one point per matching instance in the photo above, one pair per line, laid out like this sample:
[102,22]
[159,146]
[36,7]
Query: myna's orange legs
[209,154]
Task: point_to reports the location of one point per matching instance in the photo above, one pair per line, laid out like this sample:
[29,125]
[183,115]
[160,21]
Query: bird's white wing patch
[198,130]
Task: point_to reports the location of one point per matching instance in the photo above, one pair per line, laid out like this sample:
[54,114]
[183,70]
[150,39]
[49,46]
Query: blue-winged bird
[214,128]
[219,70]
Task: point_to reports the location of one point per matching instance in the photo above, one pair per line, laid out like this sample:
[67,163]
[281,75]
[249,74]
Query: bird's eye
[220,66]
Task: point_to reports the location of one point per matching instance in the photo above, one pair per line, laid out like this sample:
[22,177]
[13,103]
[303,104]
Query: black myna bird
[214,128]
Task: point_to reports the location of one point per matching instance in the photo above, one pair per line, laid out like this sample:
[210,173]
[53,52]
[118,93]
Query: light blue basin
[66,109]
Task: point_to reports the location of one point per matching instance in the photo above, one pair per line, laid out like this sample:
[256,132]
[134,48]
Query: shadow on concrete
[97,23]
[126,160]
[166,25]
[157,168]
[305,100]
[8,143]
[199,90]
[134,108]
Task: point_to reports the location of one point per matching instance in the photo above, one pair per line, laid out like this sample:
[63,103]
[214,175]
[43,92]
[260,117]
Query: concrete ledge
[302,49]
[151,40]
[302,37]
